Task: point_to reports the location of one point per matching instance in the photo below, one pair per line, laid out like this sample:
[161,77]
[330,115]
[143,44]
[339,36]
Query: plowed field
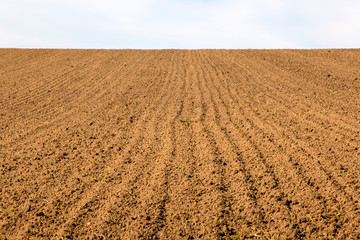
[179,144]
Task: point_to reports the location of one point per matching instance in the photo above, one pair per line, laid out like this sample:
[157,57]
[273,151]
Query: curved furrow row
[303,102]
[338,144]
[339,86]
[296,164]
[54,83]
[34,66]
[169,169]
[213,131]
[267,179]
[333,99]
[192,215]
[276,165]
[99,87]
[280,126]
[125,167]
[214,200]
[91,95]
[56,109]
[94,79]
[63,159]
[347,143]
[154,195]
[188,206]
[75,79]
[251,167]
[134,157]
[297,99]
[28,63]
[51,100]
[71,167]
[19,84]
[64,84]
[327,66]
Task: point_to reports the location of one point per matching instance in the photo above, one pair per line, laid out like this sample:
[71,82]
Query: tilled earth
[179,144]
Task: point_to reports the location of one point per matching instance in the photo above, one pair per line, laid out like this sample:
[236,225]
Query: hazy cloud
[180,24]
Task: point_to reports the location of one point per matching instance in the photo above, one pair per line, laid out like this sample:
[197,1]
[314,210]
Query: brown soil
[177,144]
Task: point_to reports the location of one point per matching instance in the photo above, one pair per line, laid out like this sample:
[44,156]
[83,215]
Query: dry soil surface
[179,144]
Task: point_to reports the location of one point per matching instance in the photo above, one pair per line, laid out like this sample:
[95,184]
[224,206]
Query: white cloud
[180,24]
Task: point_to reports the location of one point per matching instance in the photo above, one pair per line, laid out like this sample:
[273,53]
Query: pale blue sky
[145,24]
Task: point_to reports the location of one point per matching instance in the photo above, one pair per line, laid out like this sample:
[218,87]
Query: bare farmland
[179,144]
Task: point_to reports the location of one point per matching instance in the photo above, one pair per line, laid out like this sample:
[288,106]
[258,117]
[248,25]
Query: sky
[180,24]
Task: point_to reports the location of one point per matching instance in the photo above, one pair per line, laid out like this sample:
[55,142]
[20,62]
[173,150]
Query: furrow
[297,139]
[271,139]
[261,72]
[130,160]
